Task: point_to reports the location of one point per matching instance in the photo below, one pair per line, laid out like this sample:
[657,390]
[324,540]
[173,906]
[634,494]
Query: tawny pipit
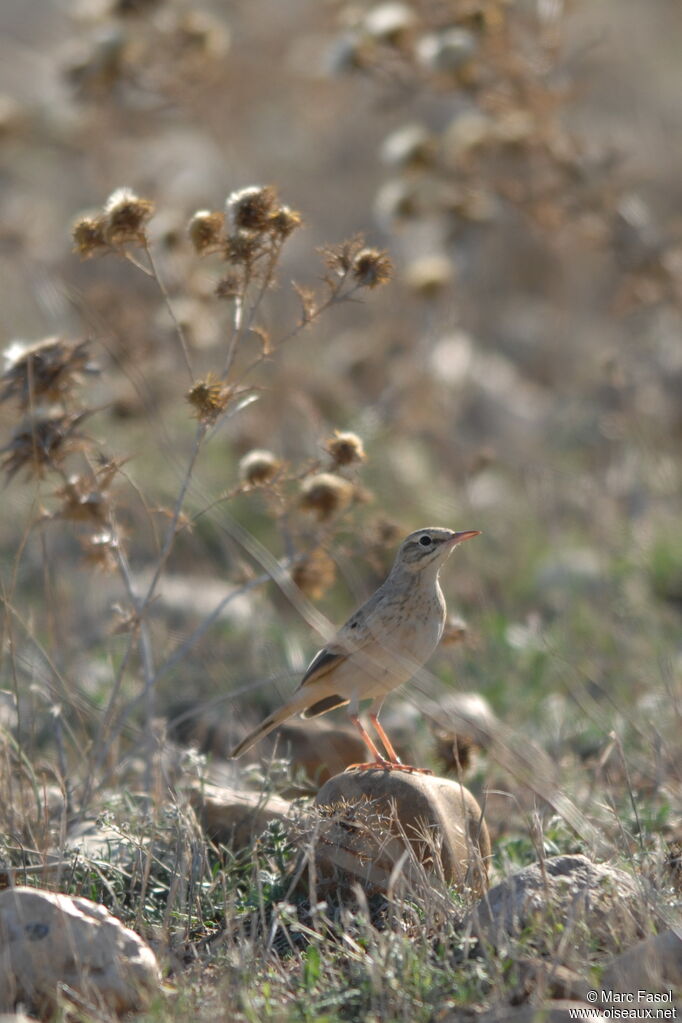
[381,646]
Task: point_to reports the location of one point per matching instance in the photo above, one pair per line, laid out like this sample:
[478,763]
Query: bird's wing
[351,637]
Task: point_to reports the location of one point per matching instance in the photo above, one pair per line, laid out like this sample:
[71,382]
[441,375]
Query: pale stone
[378,826]
[236,816]
[600,903]
[654,965]
[52,944]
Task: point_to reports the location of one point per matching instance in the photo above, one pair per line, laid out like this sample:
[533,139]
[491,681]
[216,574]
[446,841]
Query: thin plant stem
[180,330]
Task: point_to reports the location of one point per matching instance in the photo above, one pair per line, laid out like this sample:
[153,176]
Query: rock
[423,828]
[467,721]
[544,978]
[551,1012]
[654,965]
[234,816]
[51,944]
[101,842]
[599,902]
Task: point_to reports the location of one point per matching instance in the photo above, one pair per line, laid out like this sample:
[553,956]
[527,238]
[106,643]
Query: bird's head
[431,546]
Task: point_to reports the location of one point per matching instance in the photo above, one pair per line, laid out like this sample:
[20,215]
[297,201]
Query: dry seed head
[314,574]
[386,533]
[258,467]
[409,146]
[345,448]
[325,494]
[456,631]
[126,216]
[229,286]
[284,221]
[88,237]
[429,275]
[205,231]
[390,22]
[242,247]
[42,441]
[372,268]
[80,502]
[209,398]
[250,209]
[43,370]
[98,551]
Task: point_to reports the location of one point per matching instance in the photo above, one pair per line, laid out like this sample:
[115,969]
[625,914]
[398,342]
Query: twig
[180,330]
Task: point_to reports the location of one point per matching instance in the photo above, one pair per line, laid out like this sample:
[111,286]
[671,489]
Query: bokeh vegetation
[444,289]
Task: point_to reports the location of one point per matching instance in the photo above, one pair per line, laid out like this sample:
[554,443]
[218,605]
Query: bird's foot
[388,765]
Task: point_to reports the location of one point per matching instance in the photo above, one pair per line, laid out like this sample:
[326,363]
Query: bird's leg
[381,762]
[386,742]
[394,763]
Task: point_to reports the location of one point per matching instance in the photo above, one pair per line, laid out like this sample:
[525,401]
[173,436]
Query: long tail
[299,702]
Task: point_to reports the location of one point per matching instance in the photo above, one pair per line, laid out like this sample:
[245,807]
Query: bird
[381,646]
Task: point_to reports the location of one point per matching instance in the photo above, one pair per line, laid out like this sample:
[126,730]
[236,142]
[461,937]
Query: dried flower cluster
[43,378]
[258,467]
[345,448]
[209,398]
[365,267]
[42,441]
[315,573]
[121,221]
[248,235]
[326,494]
[175,54]
[43,371]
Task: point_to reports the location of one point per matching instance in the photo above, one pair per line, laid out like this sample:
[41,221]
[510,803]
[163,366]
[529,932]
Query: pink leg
[394,761]
[388,745]
[379,761]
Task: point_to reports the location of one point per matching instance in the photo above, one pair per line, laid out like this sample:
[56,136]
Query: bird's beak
[467,534]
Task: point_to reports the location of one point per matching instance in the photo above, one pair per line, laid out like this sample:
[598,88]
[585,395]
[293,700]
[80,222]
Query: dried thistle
[42,441]
[99,550]
[258,467]
[284,222]
[339,258]
[250,209]
[368,267]
[371,268]
[125,217]
[230,286]
[429,275]
[43,370]
[86,498]
[88,234]
[205,231]
[456,631]
[242,248]
[209,398]
[81,502]
[314,574]
[345,448]
[325,494]
[385,533]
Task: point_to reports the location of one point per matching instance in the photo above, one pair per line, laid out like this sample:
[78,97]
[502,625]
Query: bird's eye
[425,541]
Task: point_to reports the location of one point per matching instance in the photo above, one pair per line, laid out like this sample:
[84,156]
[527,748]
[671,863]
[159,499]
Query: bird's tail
[299,702]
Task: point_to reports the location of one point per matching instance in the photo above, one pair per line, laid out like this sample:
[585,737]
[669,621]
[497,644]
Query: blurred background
[520,374]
